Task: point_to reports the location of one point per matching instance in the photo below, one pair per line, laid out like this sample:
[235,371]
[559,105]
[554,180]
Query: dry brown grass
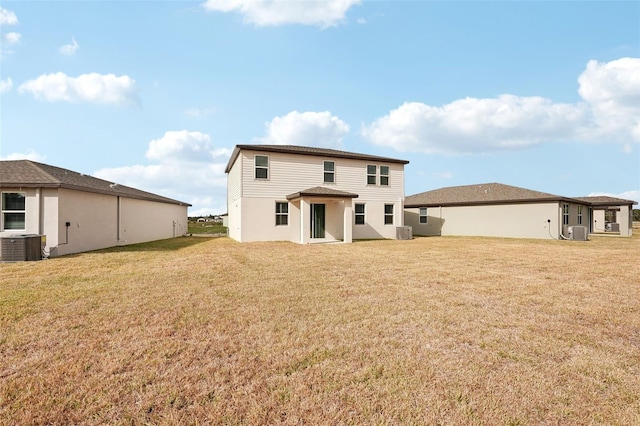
[430,331]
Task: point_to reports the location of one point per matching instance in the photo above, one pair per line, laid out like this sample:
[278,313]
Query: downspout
[40,215]
[440,224]
[118,219]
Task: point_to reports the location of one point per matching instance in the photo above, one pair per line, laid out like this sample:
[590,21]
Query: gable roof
[31,174]
[604,200]
[308,150]
[486,193]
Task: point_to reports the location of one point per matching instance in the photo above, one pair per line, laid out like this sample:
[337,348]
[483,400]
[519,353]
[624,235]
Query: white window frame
[374,174]
[6,211]
[282,214]
[362,214]
[387,215]
[256,167]
[326,172]
[579,215]
[565,214]
[384,177]
[423,215]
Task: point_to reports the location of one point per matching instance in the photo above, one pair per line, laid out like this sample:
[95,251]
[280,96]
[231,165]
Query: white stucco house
[498,210]
[307,195]
[74,212]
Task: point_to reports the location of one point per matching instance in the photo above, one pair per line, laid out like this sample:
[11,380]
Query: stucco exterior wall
[505,220]
[94,220]
[598,221]
[142,221]
[625,219]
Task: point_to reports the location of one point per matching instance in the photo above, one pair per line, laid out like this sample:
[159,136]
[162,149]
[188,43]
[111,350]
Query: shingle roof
[603,200]
[30,174]
[486,193]
[308,150]
[319,191]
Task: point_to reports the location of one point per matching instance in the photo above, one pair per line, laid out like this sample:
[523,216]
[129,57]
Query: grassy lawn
[206,228]
[455,331]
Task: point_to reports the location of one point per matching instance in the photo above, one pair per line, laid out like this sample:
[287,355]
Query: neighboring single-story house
[75,212]
[306,195]
[610,214]
[498,210]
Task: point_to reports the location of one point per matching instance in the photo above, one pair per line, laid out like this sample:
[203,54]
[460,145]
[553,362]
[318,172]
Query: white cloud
[31,155]
[6,85]
[475,125]
[70,49]
[12,38]
[306,128]
[7,17]
[324,14]
[93,88]
[612,90]
[610,112]
[183,146]
[186,166]
[200,112]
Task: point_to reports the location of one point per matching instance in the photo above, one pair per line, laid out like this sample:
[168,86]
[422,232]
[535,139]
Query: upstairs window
[565,214]
[372,171]
[282,214]
[13,211]
[329,172]
[423,215]
[388,214]
[384,175]
[360,216]
[261,166]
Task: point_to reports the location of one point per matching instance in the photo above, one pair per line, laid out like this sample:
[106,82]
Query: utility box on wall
[18,248]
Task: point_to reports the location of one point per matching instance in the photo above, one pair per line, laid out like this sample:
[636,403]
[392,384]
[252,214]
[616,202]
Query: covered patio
[326,215]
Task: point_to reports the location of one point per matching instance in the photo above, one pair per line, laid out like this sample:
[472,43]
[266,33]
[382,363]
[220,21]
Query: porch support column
[305,220]
[348,220]
[623,218]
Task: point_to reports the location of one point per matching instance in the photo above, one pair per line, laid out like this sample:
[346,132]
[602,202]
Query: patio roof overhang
[319,191]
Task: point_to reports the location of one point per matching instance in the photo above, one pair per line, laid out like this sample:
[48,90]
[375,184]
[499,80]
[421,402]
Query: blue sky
[155,95]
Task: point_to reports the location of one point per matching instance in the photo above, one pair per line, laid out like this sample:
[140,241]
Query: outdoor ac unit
[612,227]
[404,233]
[578,233]
[17,248]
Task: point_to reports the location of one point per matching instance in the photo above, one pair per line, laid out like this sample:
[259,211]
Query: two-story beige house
[307,195]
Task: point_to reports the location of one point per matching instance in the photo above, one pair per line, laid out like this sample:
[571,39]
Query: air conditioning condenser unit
[18,248]
[404,233]
[578,233]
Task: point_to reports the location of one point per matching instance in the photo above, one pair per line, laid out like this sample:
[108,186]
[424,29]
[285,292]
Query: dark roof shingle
[308,150]
[320,191]
[604,200]
[486,193]
[31,174]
